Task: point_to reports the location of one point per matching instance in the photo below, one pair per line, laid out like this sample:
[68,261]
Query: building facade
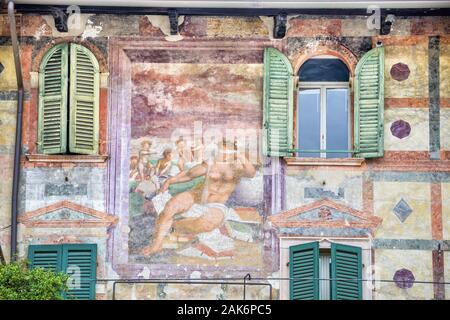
[226,149]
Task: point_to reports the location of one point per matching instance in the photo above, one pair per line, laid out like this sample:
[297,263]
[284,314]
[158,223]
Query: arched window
[323,117]
[68,101]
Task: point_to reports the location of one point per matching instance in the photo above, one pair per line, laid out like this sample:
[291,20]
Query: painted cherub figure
[134,171]
[163,165]
[145,167]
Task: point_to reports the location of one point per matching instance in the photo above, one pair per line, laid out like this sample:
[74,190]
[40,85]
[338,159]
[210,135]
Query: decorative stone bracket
[279,27]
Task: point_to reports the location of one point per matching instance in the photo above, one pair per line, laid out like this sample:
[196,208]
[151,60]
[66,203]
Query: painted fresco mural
[196,186]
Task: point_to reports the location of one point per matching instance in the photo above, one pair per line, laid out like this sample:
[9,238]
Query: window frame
[323,86]
[325,243]
[62,253]
[67,107]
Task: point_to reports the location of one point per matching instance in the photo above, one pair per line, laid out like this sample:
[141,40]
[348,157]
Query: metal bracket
[173,20]
[279,27]
[386,24]
[60,17]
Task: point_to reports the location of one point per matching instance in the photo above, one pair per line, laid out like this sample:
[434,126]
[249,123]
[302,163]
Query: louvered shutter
[48,257]
[52,112]
[278,104]
[346,272]
[84,101]
[80,262]
[304,271]
[369,104]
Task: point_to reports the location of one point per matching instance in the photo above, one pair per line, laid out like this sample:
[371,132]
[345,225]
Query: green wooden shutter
[81,260]
[48,257]
[73,259]
[304,269]
[84,101]
[369,104]
[278,104]
[52,112]
[346,271]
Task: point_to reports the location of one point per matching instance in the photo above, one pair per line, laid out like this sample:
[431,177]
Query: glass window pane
[319,70]
[308,121]
[337,122]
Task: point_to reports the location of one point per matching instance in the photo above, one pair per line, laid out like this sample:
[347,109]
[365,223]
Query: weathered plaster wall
[170,82]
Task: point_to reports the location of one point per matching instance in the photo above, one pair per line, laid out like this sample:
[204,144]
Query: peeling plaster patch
[195,275]
[91,30]
[125,229]
[184,87]
[111,273]
[269,24]
[275,283]
[78,30]
[34,79]
[145,273]
[162,22]
[42,30]
[104,79]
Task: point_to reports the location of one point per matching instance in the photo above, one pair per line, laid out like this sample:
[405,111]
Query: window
[323,115]
[77,260]
[68,101]
[310,269]
[323,109]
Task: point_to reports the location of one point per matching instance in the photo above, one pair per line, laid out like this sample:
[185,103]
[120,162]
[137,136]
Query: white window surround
[323,86]
[325,243]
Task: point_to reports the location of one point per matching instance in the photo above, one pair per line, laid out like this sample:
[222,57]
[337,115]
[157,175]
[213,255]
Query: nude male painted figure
[221,178]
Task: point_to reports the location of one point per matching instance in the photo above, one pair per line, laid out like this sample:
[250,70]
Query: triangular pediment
[325,213]
[66,214]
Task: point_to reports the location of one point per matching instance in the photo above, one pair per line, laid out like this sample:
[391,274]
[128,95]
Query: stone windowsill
[64,158]
[295,161]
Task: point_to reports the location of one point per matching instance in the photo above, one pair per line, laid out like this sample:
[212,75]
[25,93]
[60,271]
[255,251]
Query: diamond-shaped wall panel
[402,210]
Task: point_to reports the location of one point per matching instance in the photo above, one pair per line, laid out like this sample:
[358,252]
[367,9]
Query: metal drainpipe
[18,142]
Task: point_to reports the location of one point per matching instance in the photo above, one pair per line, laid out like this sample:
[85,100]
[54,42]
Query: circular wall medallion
[400,71]
[400,129]
[404,278]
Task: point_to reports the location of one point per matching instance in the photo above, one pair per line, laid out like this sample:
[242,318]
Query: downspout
[18,141]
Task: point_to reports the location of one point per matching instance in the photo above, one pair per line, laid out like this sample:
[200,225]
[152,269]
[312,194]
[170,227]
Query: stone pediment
[324,213]
[66,214]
